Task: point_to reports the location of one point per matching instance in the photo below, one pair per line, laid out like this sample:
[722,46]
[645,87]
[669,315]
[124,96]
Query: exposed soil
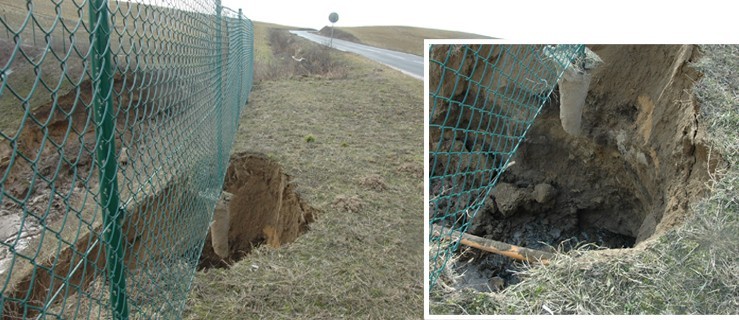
[373,182]
[351,204]
[639,164]
[50,184]
[49,190]
[264,209]
[49,168]
[60,176]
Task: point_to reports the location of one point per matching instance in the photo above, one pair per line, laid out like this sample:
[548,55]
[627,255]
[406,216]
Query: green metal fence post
[219,89]
[102,78]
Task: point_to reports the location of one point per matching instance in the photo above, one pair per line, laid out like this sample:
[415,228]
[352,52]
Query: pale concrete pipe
[573,90]
[221,224]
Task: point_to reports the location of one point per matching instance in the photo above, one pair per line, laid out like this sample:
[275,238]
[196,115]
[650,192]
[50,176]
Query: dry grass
[275,47]
[262,49]
[693,269]
[403,39]
[362,264]
[291,57]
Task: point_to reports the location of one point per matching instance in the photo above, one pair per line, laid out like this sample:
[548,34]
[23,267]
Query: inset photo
[581,179]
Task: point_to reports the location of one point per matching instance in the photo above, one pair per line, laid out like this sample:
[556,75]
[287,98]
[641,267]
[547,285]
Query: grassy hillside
[400,38]
[350,137]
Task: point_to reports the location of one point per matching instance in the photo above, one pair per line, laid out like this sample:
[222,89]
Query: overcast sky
[519,20]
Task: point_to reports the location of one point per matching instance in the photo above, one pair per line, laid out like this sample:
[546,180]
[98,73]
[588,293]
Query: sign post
[333,17]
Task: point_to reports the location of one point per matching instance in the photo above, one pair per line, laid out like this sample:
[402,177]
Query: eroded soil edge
[264,209]
[639,165]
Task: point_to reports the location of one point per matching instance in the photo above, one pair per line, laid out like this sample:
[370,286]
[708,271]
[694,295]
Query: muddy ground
[633,173]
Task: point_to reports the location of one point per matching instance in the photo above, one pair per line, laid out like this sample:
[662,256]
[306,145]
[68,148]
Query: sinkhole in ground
[263,208]
[633,173]
[554,196]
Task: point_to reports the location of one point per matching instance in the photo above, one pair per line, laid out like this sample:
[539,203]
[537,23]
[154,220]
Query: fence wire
[117,123]
[483,100]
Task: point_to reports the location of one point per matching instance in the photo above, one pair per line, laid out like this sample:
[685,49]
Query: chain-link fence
[483,100]
[117,123]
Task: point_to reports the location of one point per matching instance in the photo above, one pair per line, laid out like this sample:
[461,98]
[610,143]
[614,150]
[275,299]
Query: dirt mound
[633,173]
[351,204]
[264,208]
[410,169]
[373,182]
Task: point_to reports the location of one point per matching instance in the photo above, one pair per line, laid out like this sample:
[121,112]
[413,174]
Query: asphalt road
[409,64]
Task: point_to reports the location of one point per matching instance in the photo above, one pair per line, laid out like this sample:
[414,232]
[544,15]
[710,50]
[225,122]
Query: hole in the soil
[263,208]
[632,173]
[540,203]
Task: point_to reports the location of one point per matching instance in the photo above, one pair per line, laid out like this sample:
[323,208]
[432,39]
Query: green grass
[692,269]
[404,39]
[365,264]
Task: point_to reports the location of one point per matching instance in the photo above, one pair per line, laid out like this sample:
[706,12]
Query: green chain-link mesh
[483,99]
[116,123]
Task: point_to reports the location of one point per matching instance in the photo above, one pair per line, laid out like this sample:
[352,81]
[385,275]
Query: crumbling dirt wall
[264,208]
[149,236]
[476,124]
[640,162]
[644,108]
[61,187]
[643,114]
